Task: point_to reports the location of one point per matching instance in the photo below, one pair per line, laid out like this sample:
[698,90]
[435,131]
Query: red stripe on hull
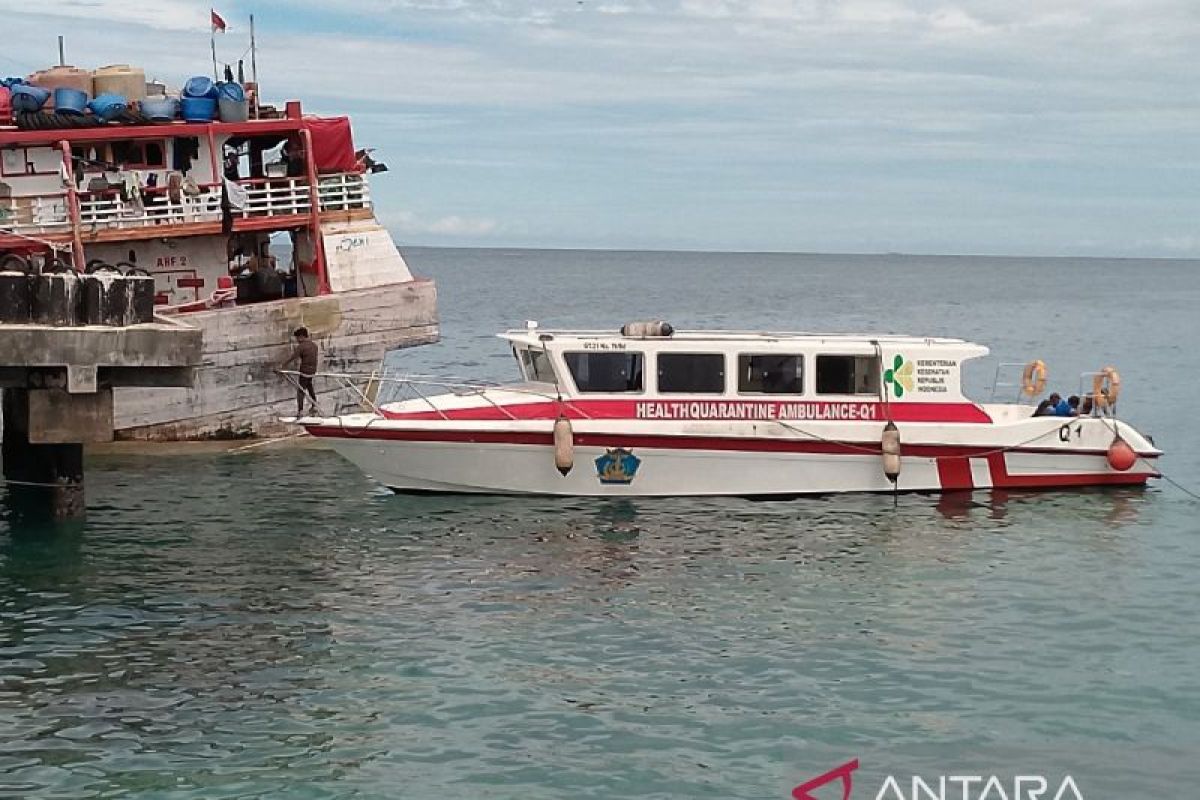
[953,465]
[955,474]
[723,410]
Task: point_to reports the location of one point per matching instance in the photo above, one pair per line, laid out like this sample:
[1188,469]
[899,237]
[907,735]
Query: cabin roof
[534,337]
[14,137]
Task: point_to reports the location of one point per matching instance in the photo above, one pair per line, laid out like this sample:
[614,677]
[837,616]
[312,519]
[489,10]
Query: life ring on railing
[1033,379]
[1106,387]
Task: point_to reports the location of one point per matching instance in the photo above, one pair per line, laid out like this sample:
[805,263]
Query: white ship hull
[740,459]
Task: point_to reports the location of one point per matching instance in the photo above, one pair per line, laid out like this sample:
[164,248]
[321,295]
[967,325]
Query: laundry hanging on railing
[236,194]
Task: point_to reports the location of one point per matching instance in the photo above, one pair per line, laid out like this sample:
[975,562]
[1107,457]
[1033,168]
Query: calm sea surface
[271,624]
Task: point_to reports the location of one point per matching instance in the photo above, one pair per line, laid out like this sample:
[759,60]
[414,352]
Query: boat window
[536,365]
[771,374]
[691,373]
[606,372]
[848,375]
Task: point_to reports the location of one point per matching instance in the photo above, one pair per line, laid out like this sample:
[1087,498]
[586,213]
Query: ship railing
[370,392]
[343,192]
[36,214]
[270,197]
[106,209]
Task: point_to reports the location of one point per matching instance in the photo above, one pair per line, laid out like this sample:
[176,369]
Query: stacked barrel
[70,97]
[59,296]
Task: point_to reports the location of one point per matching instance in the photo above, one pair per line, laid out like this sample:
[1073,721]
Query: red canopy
[332,144]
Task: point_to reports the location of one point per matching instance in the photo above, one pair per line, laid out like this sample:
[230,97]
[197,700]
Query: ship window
[137,154]
[691,373]
[537,367]
[606,372]
[771,374]
[848,375]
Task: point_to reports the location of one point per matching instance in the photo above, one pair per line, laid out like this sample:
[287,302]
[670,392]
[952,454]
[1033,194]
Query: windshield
[536,366]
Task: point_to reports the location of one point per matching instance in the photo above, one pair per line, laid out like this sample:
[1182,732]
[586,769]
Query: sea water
[270,623]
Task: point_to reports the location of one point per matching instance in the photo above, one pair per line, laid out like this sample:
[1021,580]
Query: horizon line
[889,253]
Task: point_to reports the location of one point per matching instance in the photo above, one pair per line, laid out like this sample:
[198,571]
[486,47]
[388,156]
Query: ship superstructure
[252,226]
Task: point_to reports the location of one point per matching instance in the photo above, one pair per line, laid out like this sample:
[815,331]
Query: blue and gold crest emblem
[617,466]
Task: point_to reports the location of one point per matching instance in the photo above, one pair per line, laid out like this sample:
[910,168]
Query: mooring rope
[875,451]
[41,484]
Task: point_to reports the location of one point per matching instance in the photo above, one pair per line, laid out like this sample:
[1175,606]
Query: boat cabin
[809,375]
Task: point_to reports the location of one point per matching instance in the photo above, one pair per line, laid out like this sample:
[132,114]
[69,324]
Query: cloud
[171,15]
[758,120]
[1182,245]
[454,226]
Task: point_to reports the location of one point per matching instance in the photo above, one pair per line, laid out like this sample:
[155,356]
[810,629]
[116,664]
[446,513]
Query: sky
[1023,127]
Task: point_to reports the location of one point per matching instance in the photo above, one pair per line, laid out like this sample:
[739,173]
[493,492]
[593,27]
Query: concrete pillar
[40,476]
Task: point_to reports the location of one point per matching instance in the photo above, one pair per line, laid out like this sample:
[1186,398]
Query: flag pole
[212,40]
[254,66]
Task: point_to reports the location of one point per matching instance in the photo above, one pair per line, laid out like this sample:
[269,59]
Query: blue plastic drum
[70,101]
[200,86]
[231,91]
[198,109]
[108,107]
[26,98]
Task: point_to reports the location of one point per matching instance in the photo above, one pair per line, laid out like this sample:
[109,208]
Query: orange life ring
[1106,387]
[1033,379]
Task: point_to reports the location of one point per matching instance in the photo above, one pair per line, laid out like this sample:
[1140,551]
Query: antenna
[62,61]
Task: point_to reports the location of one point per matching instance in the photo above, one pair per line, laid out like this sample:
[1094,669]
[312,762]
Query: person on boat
[306,354]
[1049,406]
[1072,407]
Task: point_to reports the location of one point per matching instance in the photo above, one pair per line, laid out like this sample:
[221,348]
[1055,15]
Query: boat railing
[343,192]
[49,213]
[370,392]
[107,210]
[1086,389]
[36,214]
[275,197]
[1016,385]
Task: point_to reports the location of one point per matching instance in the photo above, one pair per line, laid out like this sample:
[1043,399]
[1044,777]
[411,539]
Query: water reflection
[1114,506]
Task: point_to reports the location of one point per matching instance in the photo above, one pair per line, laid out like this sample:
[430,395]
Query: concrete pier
[58,386]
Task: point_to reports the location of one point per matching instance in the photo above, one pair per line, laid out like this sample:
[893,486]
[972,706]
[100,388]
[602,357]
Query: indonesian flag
[218,24]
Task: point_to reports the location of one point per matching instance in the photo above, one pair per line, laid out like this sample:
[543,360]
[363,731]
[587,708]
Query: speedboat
[650,411]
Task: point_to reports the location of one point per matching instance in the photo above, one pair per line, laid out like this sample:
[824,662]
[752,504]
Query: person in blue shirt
[1056,406]
[1049,406]
[1066,408]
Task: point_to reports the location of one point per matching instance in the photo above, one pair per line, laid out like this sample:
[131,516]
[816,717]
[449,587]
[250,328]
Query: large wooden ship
[251,229]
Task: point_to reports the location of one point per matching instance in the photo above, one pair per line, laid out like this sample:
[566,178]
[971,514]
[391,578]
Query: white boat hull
[511,460]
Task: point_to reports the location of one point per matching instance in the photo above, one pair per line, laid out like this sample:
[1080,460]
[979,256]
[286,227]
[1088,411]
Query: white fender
[564,446]
[891,451]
